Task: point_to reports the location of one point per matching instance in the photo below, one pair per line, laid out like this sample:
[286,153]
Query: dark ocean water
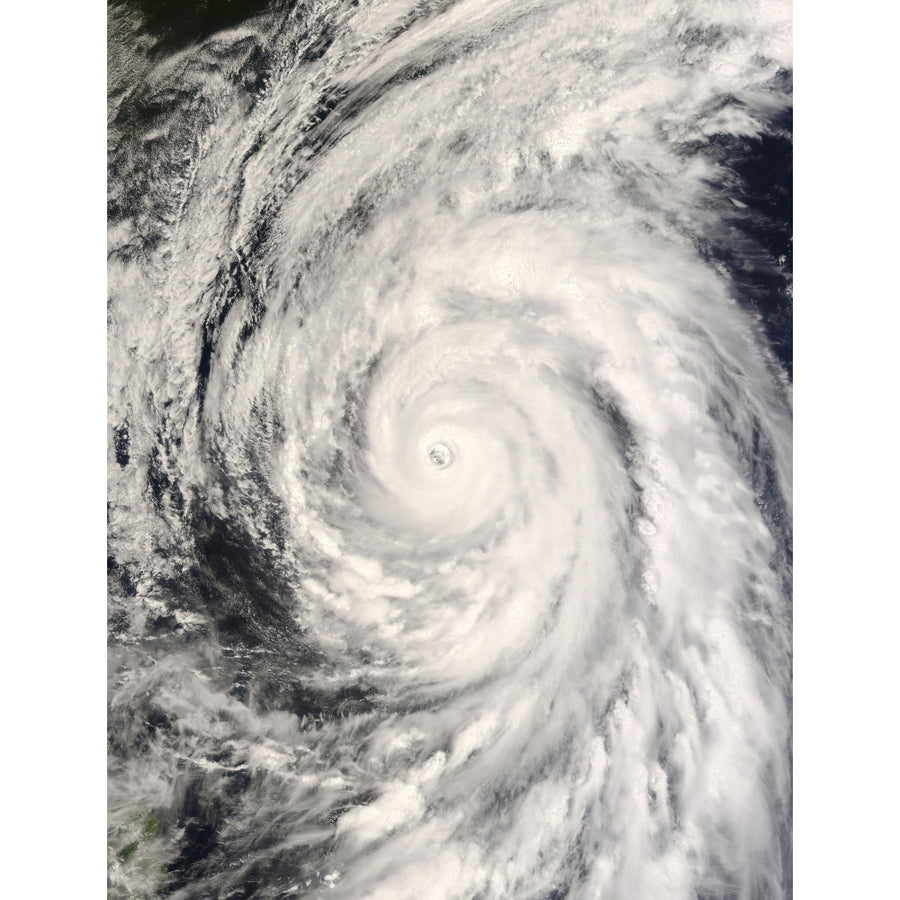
[450,357]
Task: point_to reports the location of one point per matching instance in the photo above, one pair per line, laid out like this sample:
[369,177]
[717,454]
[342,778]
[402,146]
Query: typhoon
[449,486]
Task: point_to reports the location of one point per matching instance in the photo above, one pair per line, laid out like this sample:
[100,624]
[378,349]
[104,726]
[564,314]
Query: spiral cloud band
[450,446]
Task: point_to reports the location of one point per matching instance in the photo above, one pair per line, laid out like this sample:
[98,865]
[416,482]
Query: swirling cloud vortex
[450,467]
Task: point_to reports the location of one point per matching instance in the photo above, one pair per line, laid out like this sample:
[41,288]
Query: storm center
[440,456]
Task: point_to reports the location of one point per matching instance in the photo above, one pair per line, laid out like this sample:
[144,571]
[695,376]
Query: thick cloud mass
[449,485]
